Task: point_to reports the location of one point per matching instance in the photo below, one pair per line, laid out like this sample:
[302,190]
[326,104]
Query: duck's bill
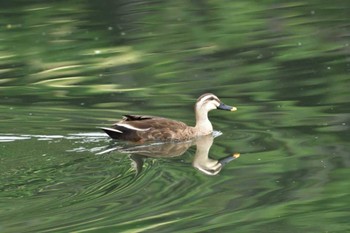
[228,159]
[223,106]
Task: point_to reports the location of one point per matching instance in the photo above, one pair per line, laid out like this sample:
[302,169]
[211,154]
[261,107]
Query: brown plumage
[138,128]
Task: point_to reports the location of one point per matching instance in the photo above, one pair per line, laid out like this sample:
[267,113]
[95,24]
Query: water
[68,68]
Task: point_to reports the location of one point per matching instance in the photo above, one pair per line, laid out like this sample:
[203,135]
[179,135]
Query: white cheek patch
[217,103]
[201,102]
[208,102]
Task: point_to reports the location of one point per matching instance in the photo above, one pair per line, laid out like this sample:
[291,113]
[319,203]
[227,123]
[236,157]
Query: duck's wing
[147,128]
[129,126]
[139,123]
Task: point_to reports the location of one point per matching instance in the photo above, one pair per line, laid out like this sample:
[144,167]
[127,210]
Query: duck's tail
[113,133]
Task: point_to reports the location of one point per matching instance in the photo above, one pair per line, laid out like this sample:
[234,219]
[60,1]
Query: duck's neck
[203,125]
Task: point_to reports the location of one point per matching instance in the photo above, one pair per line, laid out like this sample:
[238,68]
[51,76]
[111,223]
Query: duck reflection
[201,160]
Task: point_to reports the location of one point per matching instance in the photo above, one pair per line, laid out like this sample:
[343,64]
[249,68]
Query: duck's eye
[211,98]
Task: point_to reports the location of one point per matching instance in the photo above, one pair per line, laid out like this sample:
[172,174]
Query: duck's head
[209,101]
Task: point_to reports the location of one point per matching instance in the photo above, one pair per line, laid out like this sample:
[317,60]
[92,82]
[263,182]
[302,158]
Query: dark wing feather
[136,117]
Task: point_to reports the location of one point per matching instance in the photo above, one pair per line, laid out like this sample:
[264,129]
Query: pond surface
[68,68]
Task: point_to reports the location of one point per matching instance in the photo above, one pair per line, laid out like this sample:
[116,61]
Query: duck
[144,128]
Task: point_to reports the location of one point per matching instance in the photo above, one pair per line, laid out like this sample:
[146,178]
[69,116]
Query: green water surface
[68,67]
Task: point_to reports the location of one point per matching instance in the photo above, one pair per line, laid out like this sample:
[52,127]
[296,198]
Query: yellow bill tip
[236,155]
[233,109]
